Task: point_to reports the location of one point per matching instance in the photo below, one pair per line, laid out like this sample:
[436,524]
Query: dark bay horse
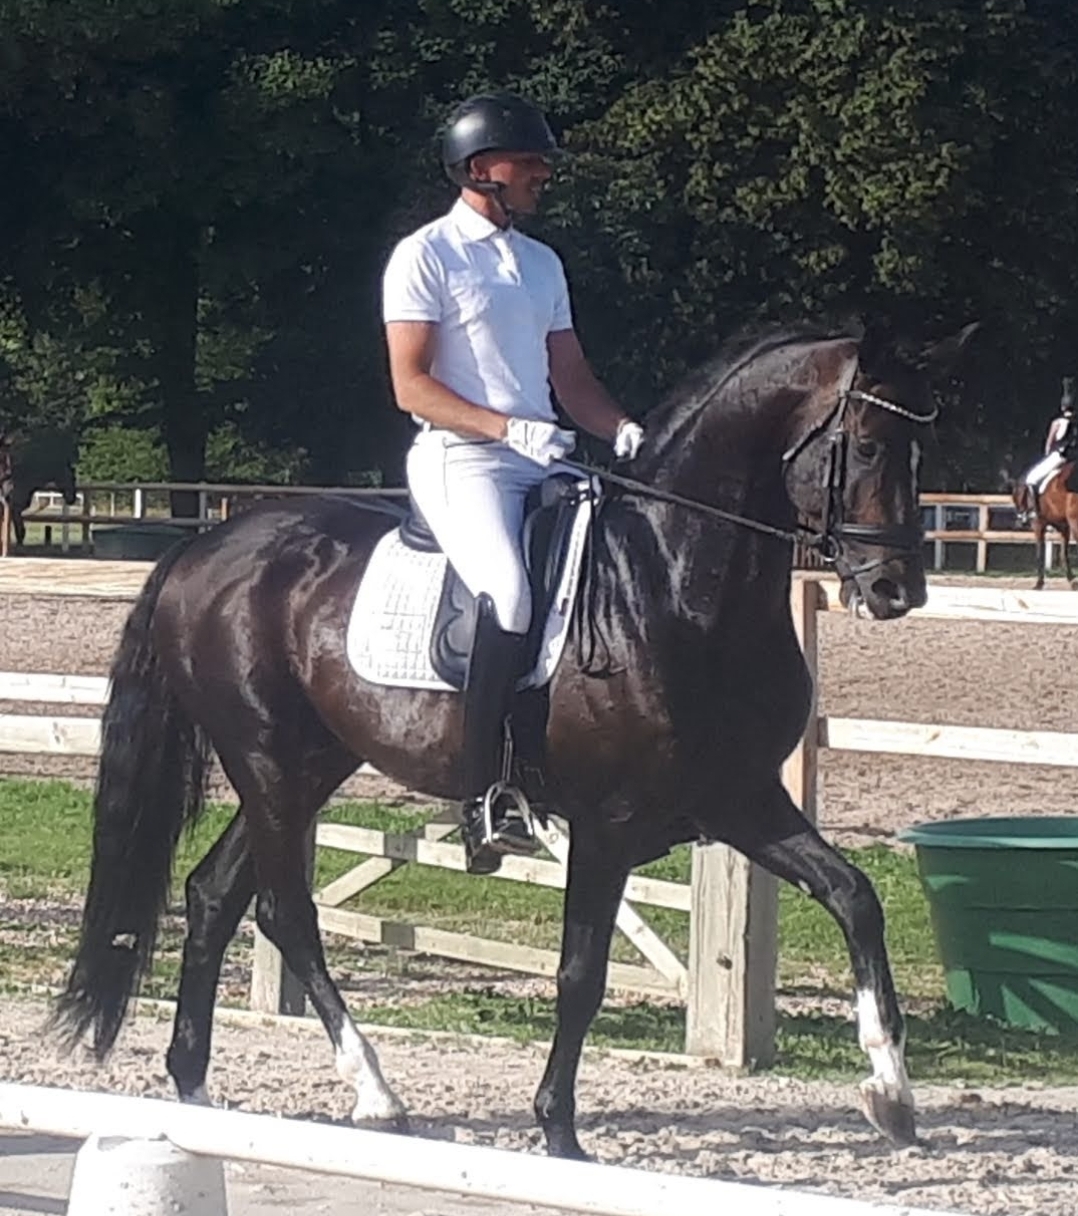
[238,642]
[39,461]
[1056,506]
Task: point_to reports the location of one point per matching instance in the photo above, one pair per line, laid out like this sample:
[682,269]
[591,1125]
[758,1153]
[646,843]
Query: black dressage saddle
[548,522]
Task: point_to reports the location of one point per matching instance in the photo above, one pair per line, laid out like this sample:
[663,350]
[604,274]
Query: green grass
[44,850]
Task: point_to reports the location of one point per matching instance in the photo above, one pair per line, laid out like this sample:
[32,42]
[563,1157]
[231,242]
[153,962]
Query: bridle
[827,541]
[900,539]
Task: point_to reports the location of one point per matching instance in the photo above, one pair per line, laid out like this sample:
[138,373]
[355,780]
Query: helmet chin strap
[496,191]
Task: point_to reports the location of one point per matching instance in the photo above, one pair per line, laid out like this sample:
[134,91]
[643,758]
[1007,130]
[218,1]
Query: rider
[478,321]
[1058,445]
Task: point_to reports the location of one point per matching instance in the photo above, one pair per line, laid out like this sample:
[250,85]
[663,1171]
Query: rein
[799,532]
[827,541]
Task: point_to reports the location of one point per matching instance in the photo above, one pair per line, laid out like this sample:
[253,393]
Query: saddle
[548,523]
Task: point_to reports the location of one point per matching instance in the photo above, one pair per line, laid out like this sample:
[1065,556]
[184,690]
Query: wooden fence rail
[99,504]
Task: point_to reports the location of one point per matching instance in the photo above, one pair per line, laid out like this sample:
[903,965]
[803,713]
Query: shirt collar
[472,225]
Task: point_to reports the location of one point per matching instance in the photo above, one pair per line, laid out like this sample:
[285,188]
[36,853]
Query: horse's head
[852,464]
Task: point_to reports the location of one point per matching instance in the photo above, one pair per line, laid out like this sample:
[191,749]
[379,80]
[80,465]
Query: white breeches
[1039,474]
[472,494]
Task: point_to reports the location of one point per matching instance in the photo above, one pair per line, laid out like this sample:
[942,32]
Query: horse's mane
[701,385]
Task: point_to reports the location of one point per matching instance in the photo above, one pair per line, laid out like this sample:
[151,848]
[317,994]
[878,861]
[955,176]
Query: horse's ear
[940,359]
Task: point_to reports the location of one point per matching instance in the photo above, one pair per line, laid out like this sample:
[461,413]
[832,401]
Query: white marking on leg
[197,1097]
[886,1056]
[357,1062]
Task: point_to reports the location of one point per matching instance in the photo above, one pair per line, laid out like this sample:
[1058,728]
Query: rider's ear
[941,359]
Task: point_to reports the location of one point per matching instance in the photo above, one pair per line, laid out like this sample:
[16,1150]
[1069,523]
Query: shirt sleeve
[412,284]
[562,316]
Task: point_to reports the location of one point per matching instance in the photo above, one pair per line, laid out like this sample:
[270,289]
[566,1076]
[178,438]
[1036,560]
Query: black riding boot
[495,815]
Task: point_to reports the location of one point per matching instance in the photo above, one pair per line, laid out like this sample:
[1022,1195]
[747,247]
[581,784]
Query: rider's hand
[542,442]
[628,439]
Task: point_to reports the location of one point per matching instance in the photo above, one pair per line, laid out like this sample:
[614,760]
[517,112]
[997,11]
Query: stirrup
[508,822]
[500,822]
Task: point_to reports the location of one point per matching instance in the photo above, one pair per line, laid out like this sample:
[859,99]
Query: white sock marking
[886,1056]
[357,1062]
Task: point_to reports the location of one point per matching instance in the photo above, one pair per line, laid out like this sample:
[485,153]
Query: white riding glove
[542,442]
[628,439]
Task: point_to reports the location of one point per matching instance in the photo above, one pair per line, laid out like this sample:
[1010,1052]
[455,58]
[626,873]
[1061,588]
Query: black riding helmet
[492,122]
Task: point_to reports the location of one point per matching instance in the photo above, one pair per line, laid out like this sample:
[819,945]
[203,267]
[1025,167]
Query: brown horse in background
[1056,506]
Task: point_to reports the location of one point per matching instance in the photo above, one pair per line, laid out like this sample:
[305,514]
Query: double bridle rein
[827,541]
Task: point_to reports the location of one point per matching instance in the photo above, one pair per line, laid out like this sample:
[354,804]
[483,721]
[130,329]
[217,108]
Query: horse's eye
[867,449]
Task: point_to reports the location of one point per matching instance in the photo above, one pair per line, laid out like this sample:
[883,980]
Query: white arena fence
[432,1165]
[728,980]
[949,519]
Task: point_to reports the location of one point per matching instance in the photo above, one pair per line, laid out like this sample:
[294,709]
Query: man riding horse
[479,325]
[237,643]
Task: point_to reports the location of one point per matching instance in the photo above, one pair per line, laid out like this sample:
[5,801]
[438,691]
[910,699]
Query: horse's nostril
[889,590]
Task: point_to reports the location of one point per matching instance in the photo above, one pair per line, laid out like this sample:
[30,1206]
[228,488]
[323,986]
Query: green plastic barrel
[136,542]
[1003,895]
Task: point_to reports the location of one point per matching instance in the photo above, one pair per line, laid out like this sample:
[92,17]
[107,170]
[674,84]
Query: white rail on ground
[432,1165]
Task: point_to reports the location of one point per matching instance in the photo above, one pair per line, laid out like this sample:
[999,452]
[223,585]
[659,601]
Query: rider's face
[523,174]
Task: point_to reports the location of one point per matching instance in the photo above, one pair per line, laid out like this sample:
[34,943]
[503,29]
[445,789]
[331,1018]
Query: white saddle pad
[389,630]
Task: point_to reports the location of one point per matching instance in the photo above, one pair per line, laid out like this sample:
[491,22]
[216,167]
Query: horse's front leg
[594,888]
[18,526]
[776,835]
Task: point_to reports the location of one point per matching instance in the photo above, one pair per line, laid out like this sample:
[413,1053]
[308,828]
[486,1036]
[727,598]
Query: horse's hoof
[397,1124]
[197,1097]
[566,1146]
[890,1111]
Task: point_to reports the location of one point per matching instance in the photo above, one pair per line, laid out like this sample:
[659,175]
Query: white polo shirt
[495,295]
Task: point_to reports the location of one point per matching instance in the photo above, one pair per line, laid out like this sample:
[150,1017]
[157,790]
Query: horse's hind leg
[279,806]
[218,891]
[777,836]
[1039,547]
[592,895]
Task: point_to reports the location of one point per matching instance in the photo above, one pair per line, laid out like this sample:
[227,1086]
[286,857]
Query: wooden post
[982,545]
[939,555]
[733,933]
[733,955]
[274,989]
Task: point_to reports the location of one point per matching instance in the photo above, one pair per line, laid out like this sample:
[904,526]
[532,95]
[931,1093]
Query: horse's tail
[150,784]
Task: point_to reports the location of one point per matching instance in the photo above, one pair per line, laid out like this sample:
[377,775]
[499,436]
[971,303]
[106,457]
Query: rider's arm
[411,352]
[578,390]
